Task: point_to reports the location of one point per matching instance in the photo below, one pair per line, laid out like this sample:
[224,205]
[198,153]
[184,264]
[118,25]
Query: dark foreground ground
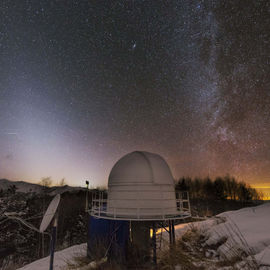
[20,245]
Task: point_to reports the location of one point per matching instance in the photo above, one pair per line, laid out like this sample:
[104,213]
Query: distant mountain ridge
[26,187]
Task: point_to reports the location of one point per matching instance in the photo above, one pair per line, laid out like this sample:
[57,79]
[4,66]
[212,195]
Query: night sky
[84,82]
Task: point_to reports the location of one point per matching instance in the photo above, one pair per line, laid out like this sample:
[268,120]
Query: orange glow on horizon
[264,188]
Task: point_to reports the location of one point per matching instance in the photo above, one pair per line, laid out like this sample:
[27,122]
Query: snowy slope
[61,258]
[246,229]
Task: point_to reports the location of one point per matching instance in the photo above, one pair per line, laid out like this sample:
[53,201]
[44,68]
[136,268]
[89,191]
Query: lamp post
[86,202]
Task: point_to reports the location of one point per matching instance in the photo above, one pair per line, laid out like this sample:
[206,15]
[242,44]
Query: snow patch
[61,258]
[242,231]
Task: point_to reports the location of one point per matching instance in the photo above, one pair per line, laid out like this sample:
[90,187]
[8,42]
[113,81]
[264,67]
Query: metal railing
[99,208]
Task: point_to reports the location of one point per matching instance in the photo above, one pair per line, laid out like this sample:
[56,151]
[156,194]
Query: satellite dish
[50,213]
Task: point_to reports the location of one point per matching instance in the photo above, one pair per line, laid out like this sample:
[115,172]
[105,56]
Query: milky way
[84,82]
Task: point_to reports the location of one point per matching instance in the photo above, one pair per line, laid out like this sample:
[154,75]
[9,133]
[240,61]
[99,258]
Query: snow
[245,230]
[234,232]
[180,229]
[61,258]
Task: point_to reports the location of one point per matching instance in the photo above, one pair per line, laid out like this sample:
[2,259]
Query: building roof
[141,187]
[141,167]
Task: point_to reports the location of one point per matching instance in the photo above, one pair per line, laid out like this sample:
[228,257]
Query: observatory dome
[140,168]
[141,186]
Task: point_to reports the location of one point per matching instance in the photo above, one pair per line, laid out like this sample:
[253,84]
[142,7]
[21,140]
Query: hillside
[246,229]
[233,240]
[25,187]
[21,186]
[20,245]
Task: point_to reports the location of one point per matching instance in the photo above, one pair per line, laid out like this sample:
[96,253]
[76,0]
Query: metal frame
[99,209]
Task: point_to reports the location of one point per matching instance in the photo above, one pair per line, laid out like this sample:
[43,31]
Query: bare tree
[46,181]
[62,182]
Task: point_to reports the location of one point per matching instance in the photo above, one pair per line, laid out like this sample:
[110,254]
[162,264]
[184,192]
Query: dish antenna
[51,214]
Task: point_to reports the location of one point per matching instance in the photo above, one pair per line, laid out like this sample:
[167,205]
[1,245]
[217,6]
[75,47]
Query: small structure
[141,192]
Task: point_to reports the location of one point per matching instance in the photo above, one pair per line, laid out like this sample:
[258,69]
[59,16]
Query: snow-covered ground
[180,229]
[61,258]
[246,229]
[234,233]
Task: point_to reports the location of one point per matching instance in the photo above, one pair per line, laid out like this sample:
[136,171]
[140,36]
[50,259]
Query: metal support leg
[170,232]
[173,232]
[154,244]
[52,246]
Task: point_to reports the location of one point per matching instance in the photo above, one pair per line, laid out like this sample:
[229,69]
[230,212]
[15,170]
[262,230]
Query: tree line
[221,188]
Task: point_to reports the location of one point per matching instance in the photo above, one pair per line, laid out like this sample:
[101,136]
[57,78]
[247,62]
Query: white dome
[141,186]
[141,167]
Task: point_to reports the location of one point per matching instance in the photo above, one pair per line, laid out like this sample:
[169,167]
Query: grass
[186,253]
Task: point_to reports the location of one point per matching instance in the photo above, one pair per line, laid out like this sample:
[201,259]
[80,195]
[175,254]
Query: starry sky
[83,83]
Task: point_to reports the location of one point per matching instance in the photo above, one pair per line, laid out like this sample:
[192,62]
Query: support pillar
[154,244]
[170,232]
[173,232]
[53,240]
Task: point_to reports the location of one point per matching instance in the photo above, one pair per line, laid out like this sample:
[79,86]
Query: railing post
[182,202]
[99,206]
[188,203]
